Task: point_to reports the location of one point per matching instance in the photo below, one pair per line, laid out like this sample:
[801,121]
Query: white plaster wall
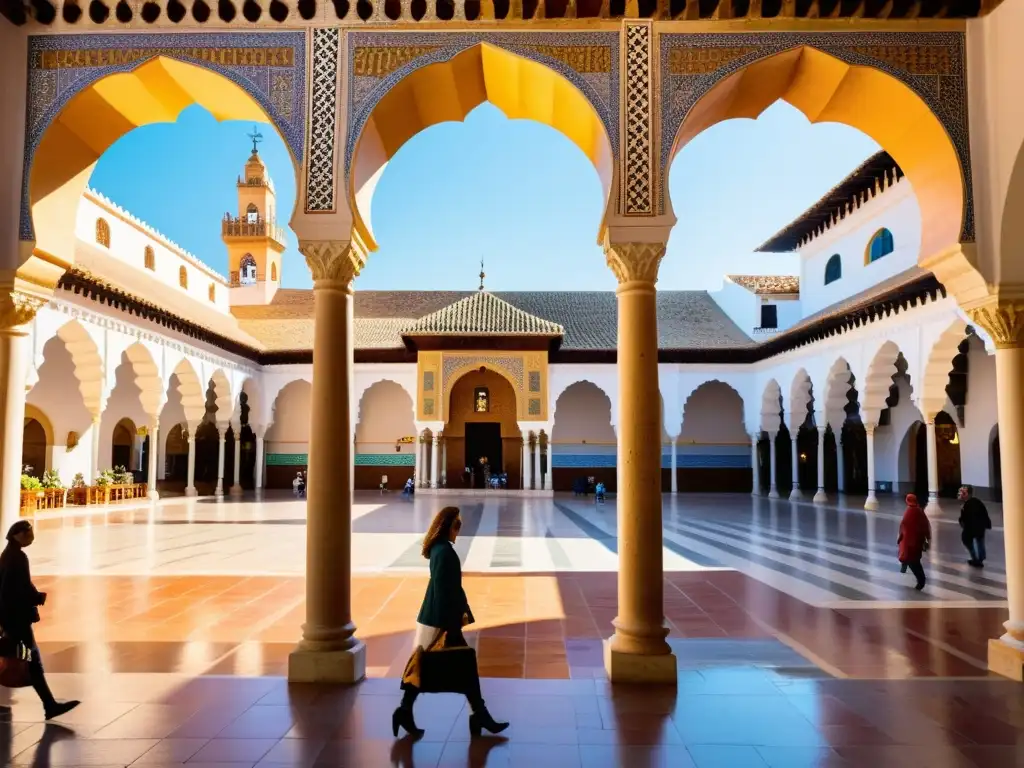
[980,416]
[739,304]
[714,415]
[788,314]
[583,419]
[385,415]
[890,464]
[897,210]
[288,429]
[129,238]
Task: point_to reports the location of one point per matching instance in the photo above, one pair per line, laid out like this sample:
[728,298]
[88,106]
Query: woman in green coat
[445,611]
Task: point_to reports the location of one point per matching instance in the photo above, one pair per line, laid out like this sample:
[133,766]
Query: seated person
[599,493]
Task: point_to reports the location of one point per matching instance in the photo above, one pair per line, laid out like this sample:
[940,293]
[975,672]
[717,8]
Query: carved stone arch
[509,368]
[221,384]
[937,366]
[878,381]
[771,407]
[250,387]
[703,386]
[193,395]
[37,413]
[88,365]
[584,383]
[837,388]
[708,78]
[378,62]
[173,75]
[801,395]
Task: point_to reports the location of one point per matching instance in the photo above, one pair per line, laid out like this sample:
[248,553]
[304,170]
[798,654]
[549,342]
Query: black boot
[481,719]
[51,707]
[403,718]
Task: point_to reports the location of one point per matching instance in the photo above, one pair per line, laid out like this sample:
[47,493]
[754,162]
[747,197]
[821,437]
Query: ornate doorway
[483,446]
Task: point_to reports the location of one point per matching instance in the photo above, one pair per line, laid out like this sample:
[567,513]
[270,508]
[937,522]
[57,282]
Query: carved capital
[333,260]
[1002,320]
[17,308]
[635,261]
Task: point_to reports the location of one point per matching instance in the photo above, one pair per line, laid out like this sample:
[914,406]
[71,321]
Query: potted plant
[53,489]
[31,490]
[79,490]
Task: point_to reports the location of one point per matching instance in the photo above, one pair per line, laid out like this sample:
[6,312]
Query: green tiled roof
[482,314]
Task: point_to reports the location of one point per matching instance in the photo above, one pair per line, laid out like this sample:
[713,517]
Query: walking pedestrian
[915,534]
[974,521]
[19,610]
[445,611]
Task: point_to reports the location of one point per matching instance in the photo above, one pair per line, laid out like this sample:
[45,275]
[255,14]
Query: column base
[773,494]
[1006,659]
[796,495]
[345,666]
[236,490]
[219,493]
[639,668]
[153,495]
[871,503]
[933,508]
[191,491]
[820,497]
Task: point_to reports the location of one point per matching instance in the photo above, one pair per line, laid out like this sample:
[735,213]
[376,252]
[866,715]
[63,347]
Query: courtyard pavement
[799,642]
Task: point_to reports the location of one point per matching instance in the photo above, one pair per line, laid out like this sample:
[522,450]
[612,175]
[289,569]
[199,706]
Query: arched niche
[583,440]
[386,416]
[483,423]
[286,444]
[713,449]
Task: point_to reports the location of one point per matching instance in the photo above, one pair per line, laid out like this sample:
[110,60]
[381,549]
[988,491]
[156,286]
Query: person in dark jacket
[974,521]
[19,610]
[915,533]
[445,611]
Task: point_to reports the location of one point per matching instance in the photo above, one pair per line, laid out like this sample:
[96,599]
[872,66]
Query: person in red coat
[915,533]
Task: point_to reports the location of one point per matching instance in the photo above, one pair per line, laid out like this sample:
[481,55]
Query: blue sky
[516,193]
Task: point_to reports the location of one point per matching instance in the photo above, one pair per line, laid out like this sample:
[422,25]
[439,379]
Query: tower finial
[256,137]
[482,275]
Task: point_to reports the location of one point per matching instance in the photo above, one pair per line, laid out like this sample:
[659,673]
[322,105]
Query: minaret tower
[253,239]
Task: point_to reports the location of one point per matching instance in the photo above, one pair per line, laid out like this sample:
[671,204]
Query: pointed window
[247,270]
[273,272]
[881,244]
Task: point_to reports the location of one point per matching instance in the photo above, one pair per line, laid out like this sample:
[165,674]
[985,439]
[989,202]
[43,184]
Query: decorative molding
[635,261]
[269,66]
[512,366]
[323,110]
[638,170]
[333,260]
[1003,321]
[932,64]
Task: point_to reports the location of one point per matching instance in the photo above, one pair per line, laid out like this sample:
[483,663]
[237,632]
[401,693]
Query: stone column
[222,435]
[190,487]
[444,462]
[418,470]
[675,482]
[329,650]
[527,461]
[933,466]
[154,435]
[16,312]
[1004,322]
[871,503]
[773,487]
[137,446]
[94,446]
[795,493]
[236,486]
[755,469]
[435,460]
[536,477]
[821,497]
[259,462]
[840,462]
[637,651]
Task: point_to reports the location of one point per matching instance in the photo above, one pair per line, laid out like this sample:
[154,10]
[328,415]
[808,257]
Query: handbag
[15,659]
[442,668]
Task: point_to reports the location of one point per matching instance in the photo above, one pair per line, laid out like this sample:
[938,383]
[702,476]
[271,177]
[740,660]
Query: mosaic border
[49,91]
[451,44]
[681,92]
[323,118]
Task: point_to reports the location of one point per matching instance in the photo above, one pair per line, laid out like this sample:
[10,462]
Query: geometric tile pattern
[269,66]
[932,64]
[385,460]
[636,158]
[322,120]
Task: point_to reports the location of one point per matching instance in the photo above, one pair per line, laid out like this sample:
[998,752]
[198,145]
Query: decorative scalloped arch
[935,376]
[193,395]
[771,409]
[588,383]
[452,375]
[801,395]
[704,384]
[88,364]
[225,402]
[837,388]
[878,381]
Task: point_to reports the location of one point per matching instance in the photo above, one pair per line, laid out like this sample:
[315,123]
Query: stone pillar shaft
[236,486]
[190,488]
[1009,383]
[329,650]
[933,465]
[221,438]
[637,651]
[795,453]
[444,463]
[526,461]
[773,488]
[154,436]
[14,352]
[675,481]
[537,478]
[259,463]
[840,464]
[94,446]
[872,501]
[435,456]
[820,497]
[755,469]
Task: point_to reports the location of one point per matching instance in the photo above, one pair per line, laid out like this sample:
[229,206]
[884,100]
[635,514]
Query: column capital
[869,429]
[333,260]
[1002,319]
[634,261]
[18,308]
